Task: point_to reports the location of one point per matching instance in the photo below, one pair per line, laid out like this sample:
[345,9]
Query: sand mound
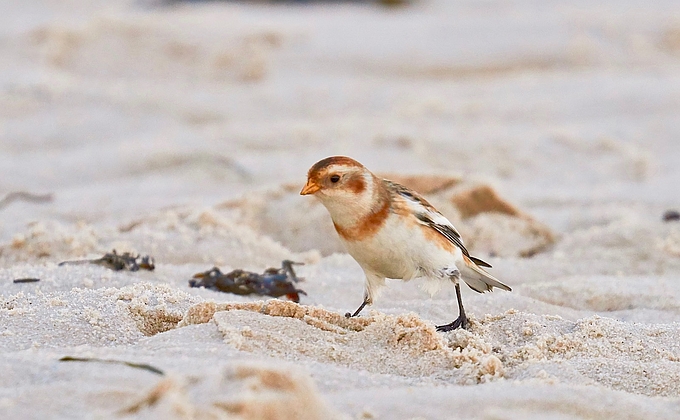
[139,48]
[154,308]
[137,116]
[52,240]
[608,293]
[179,236]
[104,316]
[241,391]
[617,355]
[628,245]
[622,356]
[204,236]
[479,213]
[399,345]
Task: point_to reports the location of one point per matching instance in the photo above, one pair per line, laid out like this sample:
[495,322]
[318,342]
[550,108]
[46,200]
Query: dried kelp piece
[24,196]
[27,280]
[118,262]
[119,362]
[286,269]
[273,282]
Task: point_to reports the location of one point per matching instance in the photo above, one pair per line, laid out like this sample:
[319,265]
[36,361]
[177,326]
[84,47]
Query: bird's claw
[460,322]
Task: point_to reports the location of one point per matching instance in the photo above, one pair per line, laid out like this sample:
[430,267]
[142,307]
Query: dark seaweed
[671,216]
[273,282]
[119,262]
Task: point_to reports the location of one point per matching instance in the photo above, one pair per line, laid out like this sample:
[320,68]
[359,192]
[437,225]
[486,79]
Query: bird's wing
[472,272]
[427,215]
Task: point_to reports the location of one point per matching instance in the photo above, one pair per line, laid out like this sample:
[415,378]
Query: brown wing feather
[446,230]
[408,194]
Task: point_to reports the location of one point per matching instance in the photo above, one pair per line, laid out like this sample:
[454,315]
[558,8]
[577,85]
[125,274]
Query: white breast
[400,251]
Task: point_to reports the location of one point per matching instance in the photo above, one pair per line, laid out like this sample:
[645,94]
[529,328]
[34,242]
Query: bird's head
[343,185]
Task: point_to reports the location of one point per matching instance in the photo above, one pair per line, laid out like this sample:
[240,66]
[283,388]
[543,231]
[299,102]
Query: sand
[546,132]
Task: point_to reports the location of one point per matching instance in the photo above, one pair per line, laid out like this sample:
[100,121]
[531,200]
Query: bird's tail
[479,279]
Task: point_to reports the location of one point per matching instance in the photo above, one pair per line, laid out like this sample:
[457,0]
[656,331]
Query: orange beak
[310,188]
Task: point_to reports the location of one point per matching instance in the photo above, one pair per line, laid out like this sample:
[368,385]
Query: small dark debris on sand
[26,280]
[671,216]
[143,366]
[273,282]
[118,262]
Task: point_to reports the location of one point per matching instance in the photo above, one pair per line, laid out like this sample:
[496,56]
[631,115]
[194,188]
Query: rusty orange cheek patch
[367,227]
[356,184]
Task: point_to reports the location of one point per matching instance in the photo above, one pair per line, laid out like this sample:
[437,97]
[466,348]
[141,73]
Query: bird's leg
[364,303]
[373,283]
[461,321]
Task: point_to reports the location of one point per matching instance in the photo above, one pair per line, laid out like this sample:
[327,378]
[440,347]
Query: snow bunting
[393,232]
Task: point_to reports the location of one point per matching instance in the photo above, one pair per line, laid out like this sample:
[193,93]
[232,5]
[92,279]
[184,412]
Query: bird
[393,232]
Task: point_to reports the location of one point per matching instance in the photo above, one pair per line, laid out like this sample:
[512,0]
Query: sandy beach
[546,132]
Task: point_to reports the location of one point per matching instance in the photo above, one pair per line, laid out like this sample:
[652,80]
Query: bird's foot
[460,322]
[356,313]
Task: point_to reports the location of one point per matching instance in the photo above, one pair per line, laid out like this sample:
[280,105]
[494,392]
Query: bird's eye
[335,178]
